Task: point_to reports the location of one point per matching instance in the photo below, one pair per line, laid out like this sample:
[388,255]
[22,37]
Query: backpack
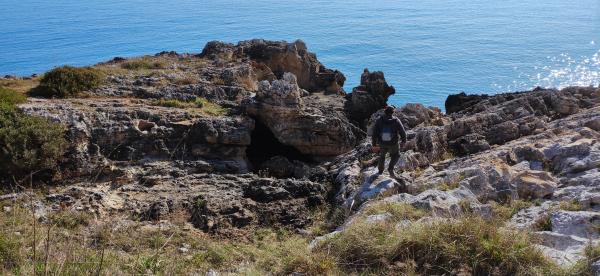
[387,131]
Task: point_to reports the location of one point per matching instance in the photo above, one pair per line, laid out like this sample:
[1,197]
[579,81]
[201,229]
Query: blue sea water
[427,48]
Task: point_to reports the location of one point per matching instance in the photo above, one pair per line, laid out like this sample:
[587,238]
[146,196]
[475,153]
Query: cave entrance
[264,145]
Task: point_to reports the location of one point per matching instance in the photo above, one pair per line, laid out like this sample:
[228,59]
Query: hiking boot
[392,174]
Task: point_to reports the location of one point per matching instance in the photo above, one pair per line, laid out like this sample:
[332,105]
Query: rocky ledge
[284,139]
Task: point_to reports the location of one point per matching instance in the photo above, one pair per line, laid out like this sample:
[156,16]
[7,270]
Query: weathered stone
[535,184]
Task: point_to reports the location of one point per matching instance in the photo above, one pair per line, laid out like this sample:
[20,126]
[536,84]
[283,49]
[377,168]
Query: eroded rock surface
[261,134]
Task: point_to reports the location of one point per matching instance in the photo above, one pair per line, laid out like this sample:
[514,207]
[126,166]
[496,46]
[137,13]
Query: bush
[11,97]
[27,143]
[68,81]
[468,245]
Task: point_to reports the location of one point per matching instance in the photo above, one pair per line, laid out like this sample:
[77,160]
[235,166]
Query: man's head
[389,111]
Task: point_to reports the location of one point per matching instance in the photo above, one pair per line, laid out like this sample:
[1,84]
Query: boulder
[582,224]
[535,184]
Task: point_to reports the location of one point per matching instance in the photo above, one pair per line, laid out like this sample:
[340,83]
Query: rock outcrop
[312,129]
[260,134]
[281,57]
[536,146]
[369,97]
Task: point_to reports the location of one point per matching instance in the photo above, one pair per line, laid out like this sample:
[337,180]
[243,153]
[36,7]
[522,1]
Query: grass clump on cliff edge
[27,143]
[21,85]
[144,63]
[67,81]
[468,245]
[203,104]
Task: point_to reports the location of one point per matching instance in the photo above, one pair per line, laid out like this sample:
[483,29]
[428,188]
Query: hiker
[385,139]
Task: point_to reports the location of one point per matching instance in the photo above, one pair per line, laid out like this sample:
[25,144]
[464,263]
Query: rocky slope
[284,139]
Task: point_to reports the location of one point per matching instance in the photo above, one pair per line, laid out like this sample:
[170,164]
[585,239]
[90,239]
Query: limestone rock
[535,184]
[371,95]
[313,131]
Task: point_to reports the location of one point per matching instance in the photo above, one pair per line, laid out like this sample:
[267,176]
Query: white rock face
[583,224]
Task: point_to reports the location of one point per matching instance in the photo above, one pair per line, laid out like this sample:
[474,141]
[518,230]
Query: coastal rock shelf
[262,134]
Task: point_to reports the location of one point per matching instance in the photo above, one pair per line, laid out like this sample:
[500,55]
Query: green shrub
[468,245]
[27,143]
[11,97]
[68,81]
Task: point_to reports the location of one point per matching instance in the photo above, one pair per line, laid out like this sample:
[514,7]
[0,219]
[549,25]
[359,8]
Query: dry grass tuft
[447,246]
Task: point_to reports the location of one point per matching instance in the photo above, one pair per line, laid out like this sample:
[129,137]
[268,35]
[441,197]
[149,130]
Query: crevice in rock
[264,145]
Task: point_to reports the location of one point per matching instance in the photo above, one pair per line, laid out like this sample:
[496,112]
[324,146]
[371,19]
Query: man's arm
[376,133]
[401,131]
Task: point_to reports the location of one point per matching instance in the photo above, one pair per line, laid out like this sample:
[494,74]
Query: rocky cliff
[277,138]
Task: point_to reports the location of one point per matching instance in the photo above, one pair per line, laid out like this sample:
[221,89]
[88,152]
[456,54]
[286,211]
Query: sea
[427,49]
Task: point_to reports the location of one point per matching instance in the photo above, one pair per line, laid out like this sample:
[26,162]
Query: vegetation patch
[22,85]
[144,63]
[468,245]
[203,104]
[175,103]
[570,205]
[9,253]
[509,209]
[28,144]
[70,220]
[67,81]
[544,223]
[11,97]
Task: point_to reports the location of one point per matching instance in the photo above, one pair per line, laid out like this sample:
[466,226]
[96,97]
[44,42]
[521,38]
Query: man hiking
[385,139]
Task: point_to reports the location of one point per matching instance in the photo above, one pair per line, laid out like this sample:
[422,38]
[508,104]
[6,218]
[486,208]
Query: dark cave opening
[264,146]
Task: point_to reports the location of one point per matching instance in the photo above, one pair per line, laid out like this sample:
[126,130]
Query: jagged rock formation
[280,57]
[313,130]
[535,146]
[370,96]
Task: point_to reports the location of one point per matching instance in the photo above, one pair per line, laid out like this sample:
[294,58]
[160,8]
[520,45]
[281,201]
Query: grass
[11,97]
[466,245]
[20,85]
[508,210]
[203,104]
[70,219]
[144,63]
[570,205]
[83,246]
[544,223]
[175,103]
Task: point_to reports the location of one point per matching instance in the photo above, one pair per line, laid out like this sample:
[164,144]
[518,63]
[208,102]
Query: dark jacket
[390,123]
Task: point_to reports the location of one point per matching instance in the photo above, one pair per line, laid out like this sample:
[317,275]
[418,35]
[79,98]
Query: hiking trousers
[394,152]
